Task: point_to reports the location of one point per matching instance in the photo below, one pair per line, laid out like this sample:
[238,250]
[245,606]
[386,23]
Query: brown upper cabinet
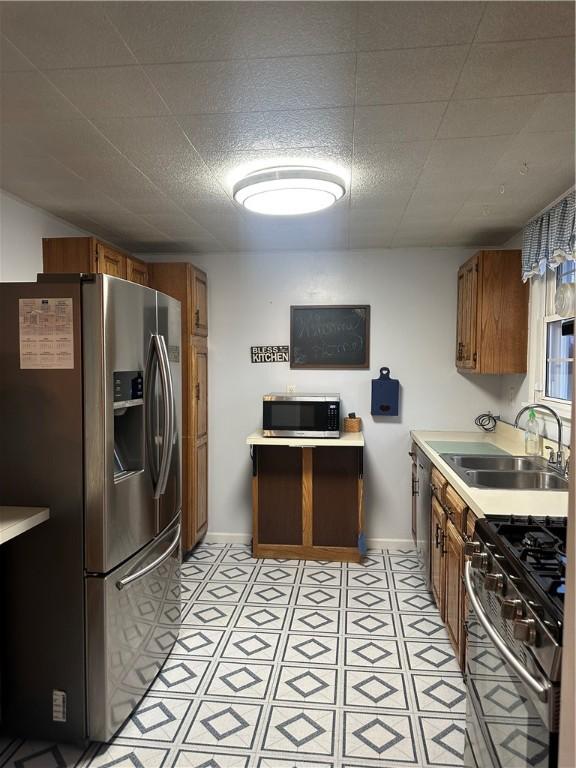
[492,317]
[87,254]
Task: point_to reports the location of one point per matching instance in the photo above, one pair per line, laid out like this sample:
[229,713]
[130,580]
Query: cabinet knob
[525,630]
[493,582]
[511,609]
[471,548]
[480,560]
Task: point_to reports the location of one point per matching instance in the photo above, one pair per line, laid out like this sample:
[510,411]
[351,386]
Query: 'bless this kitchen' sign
[270,354]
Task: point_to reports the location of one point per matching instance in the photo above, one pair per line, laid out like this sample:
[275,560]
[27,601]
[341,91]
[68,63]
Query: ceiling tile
[177,226]
[543,153]
[488,117]
[109,91]
[84,36]
[178,31]
[225,132]
[421,74]
[65,138]
[383,218]
[384,25]
[525,21]
[311,128]
[467,160]
[397,122]
[11,60]
[156,145]
[211,86]
[304,82]
[388,170]
[360,238]
[29,96]
[554,113]
[430,204]
[296,28]
[509,69]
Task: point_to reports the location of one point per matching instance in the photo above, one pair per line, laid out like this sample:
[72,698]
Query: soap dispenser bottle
[532,435]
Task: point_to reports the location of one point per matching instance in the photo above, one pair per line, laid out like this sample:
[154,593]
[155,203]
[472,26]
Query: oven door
[506,722]
[300,418]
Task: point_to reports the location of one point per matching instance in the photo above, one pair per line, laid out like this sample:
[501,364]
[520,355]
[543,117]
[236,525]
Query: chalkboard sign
[330,336]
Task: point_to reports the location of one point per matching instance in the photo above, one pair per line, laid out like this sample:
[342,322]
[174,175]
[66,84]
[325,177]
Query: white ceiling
[133,119]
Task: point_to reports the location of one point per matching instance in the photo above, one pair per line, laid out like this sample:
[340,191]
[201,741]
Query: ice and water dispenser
[128,423]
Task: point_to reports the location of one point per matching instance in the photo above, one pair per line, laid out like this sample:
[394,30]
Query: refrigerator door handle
[151,566]
[149,376]
[171,406]
[156,354]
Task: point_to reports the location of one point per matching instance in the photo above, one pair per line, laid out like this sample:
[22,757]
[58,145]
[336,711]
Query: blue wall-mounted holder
[385,394]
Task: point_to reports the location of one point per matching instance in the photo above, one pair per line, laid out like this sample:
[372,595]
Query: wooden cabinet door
[199,442]
[414,492]
[200,388]
[453,593]
[278,495]
[201,487]
[199,303]
[136,271]
[437,560]
[335,497]
[68,254]
[109,261]
[466,352]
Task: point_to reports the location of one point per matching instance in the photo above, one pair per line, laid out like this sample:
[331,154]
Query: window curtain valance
[549,239]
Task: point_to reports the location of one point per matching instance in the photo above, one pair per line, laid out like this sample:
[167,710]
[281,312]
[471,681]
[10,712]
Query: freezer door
[170,333]
[133,617]
[119,319]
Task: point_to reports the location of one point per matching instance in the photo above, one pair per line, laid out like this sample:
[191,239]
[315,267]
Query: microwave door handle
[150,411]
[541,690]
[170,409]
[167,418]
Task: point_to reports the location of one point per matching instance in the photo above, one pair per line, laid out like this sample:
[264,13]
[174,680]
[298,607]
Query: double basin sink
[506,472]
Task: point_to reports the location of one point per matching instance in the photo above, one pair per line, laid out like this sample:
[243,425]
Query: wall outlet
[290,389]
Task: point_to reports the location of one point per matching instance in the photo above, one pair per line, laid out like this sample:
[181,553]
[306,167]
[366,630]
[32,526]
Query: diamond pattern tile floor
[291,664]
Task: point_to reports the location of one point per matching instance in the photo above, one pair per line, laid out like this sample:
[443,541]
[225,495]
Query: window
[558,336]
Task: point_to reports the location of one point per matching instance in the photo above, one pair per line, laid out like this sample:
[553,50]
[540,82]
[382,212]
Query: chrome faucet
[556,458]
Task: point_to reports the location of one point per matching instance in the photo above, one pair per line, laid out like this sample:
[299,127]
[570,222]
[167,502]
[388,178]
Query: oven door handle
[541,690]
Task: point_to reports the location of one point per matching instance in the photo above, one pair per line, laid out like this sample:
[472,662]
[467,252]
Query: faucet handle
[552,455]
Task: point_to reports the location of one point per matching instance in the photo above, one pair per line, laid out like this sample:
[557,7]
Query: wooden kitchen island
[307,497]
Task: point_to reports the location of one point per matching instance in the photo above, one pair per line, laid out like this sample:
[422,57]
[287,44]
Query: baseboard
[390,543]
[246,538]
[227,538]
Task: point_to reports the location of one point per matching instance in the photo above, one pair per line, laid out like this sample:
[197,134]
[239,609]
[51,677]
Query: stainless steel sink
[506,472]
[522,480]
[509,463]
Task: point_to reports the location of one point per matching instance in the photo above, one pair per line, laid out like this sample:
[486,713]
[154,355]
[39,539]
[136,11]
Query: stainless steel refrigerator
[90,414]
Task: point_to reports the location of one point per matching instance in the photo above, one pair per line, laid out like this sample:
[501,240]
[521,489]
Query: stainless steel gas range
[515,586]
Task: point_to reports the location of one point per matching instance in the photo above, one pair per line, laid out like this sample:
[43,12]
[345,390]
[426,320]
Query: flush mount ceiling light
[288,191]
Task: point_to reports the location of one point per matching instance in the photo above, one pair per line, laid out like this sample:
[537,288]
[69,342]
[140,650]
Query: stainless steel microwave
[316,415]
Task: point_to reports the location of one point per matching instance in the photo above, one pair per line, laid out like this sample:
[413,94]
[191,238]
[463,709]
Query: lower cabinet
[454,589]
[437,561]
[452,524]
[307,502]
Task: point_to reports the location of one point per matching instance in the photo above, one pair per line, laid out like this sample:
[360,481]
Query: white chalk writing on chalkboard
[335,336]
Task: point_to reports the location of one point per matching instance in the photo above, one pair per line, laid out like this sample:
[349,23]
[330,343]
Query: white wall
[22,228]
[412,293]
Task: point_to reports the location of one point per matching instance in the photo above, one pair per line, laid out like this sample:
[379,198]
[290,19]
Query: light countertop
[346,440]
[486,501]
[17,520]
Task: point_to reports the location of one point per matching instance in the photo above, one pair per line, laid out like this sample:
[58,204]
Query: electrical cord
[486,421]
